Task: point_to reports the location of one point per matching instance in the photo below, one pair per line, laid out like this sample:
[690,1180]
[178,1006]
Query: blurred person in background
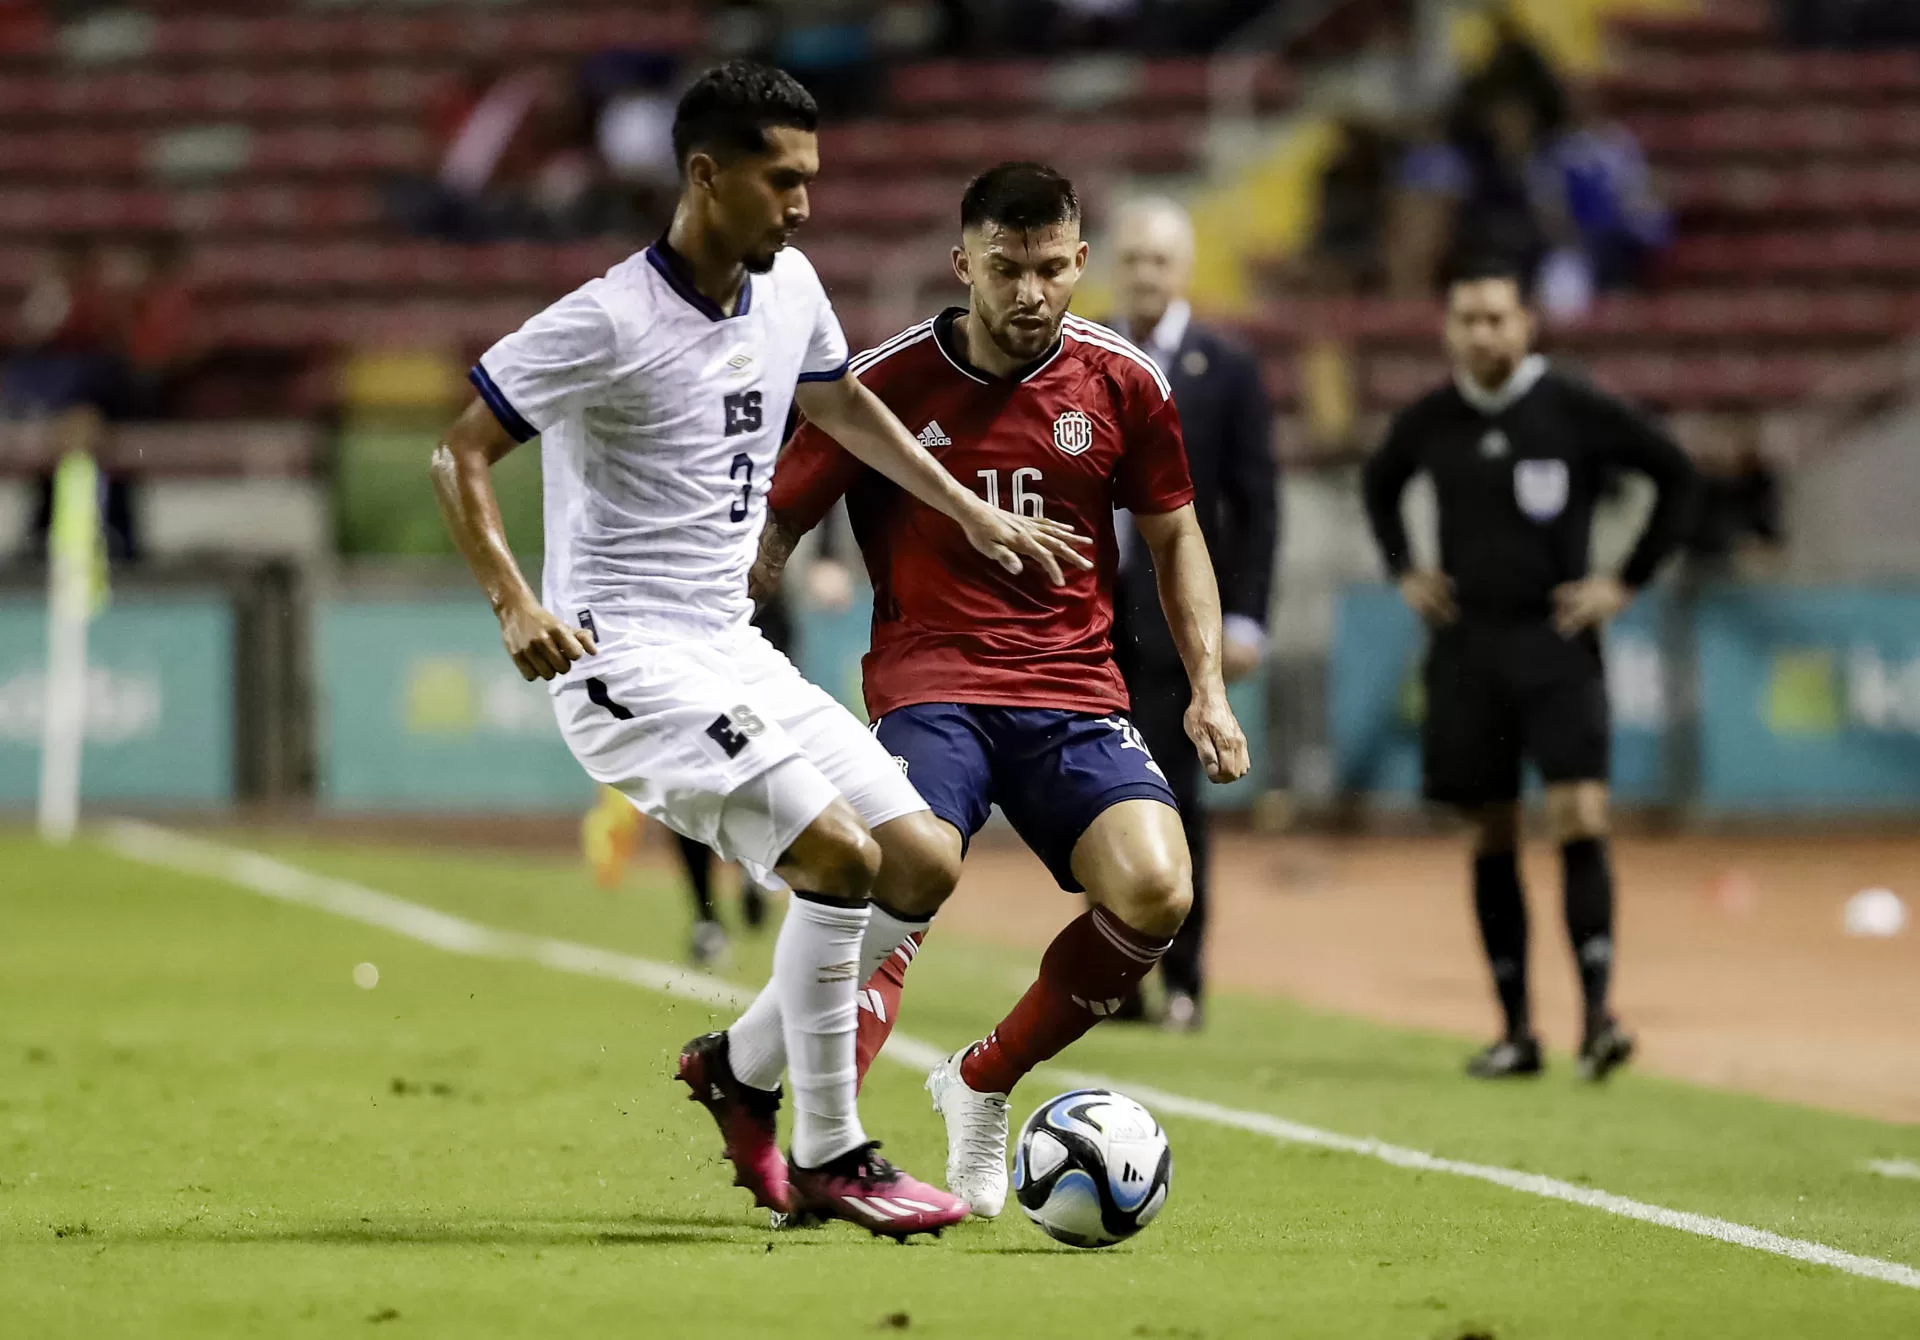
[1518,454]
[1228,425]
[153,287]
[1738,527]
[70,375]
[1605,222]
[1465,185]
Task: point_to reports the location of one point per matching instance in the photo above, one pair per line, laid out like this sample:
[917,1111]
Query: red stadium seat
[1087,83]
[1826,129]
[559,29]
[1831,254]
[1826,190]
[1767,77]
[375,147]
[41,210]
[1714,30]
[154,95]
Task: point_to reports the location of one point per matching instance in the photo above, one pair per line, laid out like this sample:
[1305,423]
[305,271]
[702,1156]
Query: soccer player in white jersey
[660,392]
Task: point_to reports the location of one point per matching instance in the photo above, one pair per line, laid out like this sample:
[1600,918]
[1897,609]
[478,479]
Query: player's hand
[541,646]
[1430,595]
[1217,736]
[1011,540]
[1588,603]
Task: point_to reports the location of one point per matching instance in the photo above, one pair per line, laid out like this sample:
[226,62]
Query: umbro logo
[933,435]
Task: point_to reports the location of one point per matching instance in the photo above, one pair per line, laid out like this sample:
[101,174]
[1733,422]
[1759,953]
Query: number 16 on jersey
[1025,503]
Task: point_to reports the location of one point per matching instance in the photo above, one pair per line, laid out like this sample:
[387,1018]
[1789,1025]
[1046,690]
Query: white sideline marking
[275,879]
[1903,1168]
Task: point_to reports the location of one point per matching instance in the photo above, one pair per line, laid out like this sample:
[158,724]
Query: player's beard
[1024,345]
[760,262]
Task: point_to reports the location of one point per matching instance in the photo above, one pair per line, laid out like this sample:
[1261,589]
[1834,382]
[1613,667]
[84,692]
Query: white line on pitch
[1906,1169]
[276,879]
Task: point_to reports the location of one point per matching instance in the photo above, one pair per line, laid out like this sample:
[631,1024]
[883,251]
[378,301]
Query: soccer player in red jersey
[991,691]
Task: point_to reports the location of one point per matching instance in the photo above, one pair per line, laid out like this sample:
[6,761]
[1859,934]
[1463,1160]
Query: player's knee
[836,856]
[1577,811]
[920,864]
[1155,898]
[919,884]
[1496,828]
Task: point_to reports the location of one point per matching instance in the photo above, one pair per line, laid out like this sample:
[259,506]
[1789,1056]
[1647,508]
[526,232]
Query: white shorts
[726,743]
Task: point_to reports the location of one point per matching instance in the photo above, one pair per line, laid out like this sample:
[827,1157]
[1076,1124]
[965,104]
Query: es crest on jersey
[1073,432]
[1495,445]
[1540,487]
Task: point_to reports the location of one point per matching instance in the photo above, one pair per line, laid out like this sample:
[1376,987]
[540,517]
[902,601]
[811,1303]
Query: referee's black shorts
[1501,693]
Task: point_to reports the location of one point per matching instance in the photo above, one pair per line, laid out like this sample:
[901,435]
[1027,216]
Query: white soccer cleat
[976,1138]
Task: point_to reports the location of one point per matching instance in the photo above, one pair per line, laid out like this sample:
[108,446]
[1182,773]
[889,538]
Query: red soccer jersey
[1090,427]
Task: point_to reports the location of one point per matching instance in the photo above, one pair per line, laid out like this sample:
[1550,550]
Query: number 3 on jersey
[743,415]
[1024,503]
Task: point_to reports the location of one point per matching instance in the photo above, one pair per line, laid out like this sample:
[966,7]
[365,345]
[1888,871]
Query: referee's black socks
[1589,894]
[1502,909]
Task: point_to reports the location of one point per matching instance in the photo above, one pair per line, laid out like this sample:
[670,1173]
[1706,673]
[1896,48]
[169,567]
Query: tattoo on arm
[777,542]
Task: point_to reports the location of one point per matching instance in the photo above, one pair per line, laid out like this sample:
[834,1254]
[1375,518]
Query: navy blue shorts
[1052,773]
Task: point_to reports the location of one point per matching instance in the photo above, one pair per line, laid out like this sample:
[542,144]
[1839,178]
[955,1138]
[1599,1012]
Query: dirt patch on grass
[1733,968]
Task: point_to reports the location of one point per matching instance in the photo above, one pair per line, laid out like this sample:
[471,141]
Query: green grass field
[207,1129]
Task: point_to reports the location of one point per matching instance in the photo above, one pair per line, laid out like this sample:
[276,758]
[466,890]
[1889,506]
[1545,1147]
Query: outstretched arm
[1184,571]
[541,646]
[858,420]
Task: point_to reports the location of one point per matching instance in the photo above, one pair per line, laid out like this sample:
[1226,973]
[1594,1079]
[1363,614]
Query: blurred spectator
[1737,524]
[1470,193]
[521,157]
[67,337]
[635,92]
[1521,169]
[153,289]
[70,375]
[1595,194]
[828,45]
[1347,253]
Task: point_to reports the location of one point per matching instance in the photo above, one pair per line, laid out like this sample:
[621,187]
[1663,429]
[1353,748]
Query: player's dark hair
[729,109]
[1474,268]
[1022,196]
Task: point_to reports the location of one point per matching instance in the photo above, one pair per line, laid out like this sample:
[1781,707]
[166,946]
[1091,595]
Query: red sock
[880,1005]
[1087,972]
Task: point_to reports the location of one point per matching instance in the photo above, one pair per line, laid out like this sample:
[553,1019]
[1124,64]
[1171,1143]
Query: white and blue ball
[1092,1168]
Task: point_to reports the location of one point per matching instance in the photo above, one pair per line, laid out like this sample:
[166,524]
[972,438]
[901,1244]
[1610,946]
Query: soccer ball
[1092,1168]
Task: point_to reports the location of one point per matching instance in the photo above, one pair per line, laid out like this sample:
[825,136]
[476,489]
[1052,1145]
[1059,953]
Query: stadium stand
[268,142]
[1794,178]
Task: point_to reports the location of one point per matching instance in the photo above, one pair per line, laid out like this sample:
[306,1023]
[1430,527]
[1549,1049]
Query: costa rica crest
[1073,432]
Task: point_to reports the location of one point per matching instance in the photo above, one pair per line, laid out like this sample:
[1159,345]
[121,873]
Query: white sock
[886,933]
[756,1047]
[815,963]
[757,1043]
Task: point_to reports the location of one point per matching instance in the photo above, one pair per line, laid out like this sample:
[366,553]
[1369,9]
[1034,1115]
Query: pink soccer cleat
[864,1189]
[746,1117]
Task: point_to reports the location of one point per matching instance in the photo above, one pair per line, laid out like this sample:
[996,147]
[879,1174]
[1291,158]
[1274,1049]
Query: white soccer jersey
[659,419]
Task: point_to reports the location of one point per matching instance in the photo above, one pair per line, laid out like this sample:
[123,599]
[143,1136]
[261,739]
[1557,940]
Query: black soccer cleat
[1605,1050]
[1509,1058]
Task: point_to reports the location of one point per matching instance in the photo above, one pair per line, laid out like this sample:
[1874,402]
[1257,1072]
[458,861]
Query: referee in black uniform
[1517,453]
[1228,426]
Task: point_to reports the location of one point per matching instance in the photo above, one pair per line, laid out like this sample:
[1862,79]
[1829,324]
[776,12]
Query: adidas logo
[933,435]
